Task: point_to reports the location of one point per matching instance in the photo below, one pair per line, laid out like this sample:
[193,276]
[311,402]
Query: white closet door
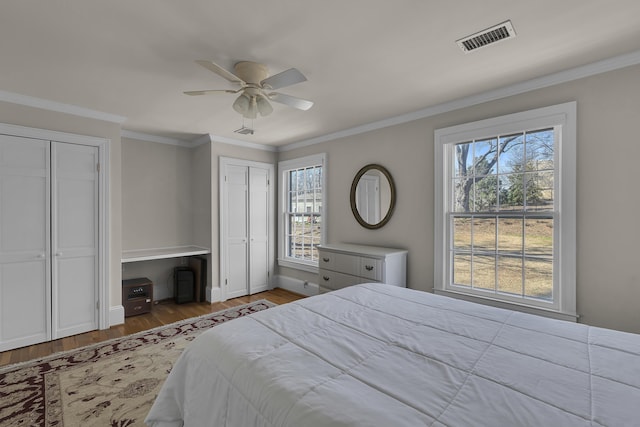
[237,233]
[74,238]
[258,230]
[25,297]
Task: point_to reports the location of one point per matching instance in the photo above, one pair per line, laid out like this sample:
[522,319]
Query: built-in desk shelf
[162,253]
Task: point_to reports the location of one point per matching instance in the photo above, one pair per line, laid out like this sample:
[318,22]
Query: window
[301,201]
[505,210]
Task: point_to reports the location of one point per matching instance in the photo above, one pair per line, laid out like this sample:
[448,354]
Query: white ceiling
[365,60]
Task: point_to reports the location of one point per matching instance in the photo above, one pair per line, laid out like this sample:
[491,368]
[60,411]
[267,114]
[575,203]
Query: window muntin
[301,208]
[502,215]
[304,213]
[505,210]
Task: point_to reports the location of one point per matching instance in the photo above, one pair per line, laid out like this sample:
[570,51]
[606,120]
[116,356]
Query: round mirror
[373,196]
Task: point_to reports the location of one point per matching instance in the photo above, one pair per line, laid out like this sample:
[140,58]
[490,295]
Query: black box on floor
[137,296]
[184,285]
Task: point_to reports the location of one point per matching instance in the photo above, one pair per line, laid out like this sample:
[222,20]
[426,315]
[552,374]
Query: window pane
[463,162]
[462,233]
[512,192]
[484,234]
[293,180]
[511,158]
[293,207]
[462,270]
[538,279]
[462,195]
[485,160]
[538,238]
[510,235]
[484,272]
[539,149]
[510,275]
[540,191]
[486,194]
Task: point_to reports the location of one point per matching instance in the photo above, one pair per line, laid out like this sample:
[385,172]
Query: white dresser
[345,264]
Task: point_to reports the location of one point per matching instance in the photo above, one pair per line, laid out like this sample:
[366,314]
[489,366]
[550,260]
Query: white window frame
[561,117]
[283,168]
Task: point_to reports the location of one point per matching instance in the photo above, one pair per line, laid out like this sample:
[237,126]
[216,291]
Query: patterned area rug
[112,383]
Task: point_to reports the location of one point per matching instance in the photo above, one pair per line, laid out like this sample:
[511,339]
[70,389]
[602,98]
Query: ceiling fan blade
[283,79]
[212,66]
[291,101]
[208,92]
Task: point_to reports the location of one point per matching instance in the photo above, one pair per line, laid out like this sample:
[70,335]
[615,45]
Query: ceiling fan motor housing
[251,72]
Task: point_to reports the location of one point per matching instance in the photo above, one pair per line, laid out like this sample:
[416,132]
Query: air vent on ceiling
[486,37]
[244,131]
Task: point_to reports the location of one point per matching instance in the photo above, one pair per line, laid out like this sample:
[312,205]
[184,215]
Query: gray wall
[608,151]
[157,195]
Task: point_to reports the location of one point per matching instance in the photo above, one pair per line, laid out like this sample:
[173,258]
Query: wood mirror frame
[392,197]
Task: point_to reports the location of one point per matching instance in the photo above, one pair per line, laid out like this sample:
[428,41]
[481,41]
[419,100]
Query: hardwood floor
[162,314]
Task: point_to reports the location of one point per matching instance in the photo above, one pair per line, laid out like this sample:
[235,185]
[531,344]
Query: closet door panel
[74,238]
[25,296]
[75,298]
[259,230]
[23,306]
[237,231]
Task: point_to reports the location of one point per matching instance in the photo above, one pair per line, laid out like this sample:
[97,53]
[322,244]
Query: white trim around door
[103,145]
[225,164]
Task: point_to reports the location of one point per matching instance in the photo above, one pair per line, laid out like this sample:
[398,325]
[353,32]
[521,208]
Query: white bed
[378,355]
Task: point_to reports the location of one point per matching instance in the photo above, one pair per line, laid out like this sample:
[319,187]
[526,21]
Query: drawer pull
[369,267]
[325,259]
[326,278]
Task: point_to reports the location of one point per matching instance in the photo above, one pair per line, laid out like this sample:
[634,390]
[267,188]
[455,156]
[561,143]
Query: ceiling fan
[256,89]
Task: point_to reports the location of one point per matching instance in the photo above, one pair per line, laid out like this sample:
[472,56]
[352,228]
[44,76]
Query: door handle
[40,256]
[58,253]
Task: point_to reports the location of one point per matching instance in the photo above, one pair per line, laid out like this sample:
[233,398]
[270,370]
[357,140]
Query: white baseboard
[213,294]
[296,285]
[116,315]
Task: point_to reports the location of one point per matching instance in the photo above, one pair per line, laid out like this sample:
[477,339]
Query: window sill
[509,305]
[298,266]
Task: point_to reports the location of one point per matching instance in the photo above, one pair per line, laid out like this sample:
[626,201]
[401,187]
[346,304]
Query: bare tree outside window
[502,238]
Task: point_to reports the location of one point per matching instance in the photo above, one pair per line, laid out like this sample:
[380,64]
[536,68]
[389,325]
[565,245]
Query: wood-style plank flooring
[162,314]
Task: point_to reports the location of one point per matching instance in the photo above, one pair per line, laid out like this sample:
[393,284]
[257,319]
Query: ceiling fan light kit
[256,88]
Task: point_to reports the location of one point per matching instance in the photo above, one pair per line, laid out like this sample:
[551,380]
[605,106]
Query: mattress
[378,355]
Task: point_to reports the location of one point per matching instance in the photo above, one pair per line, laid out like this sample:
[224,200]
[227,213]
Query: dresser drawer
[327,260]
[371,268]
[334,280]
[348,264]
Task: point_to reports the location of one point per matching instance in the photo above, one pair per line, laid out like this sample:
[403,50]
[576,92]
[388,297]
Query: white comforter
[377,355]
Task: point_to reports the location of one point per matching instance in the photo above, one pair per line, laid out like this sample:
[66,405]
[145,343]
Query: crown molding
[155,138]
[576,73]
[204,139]
[232,141]
[45,104]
